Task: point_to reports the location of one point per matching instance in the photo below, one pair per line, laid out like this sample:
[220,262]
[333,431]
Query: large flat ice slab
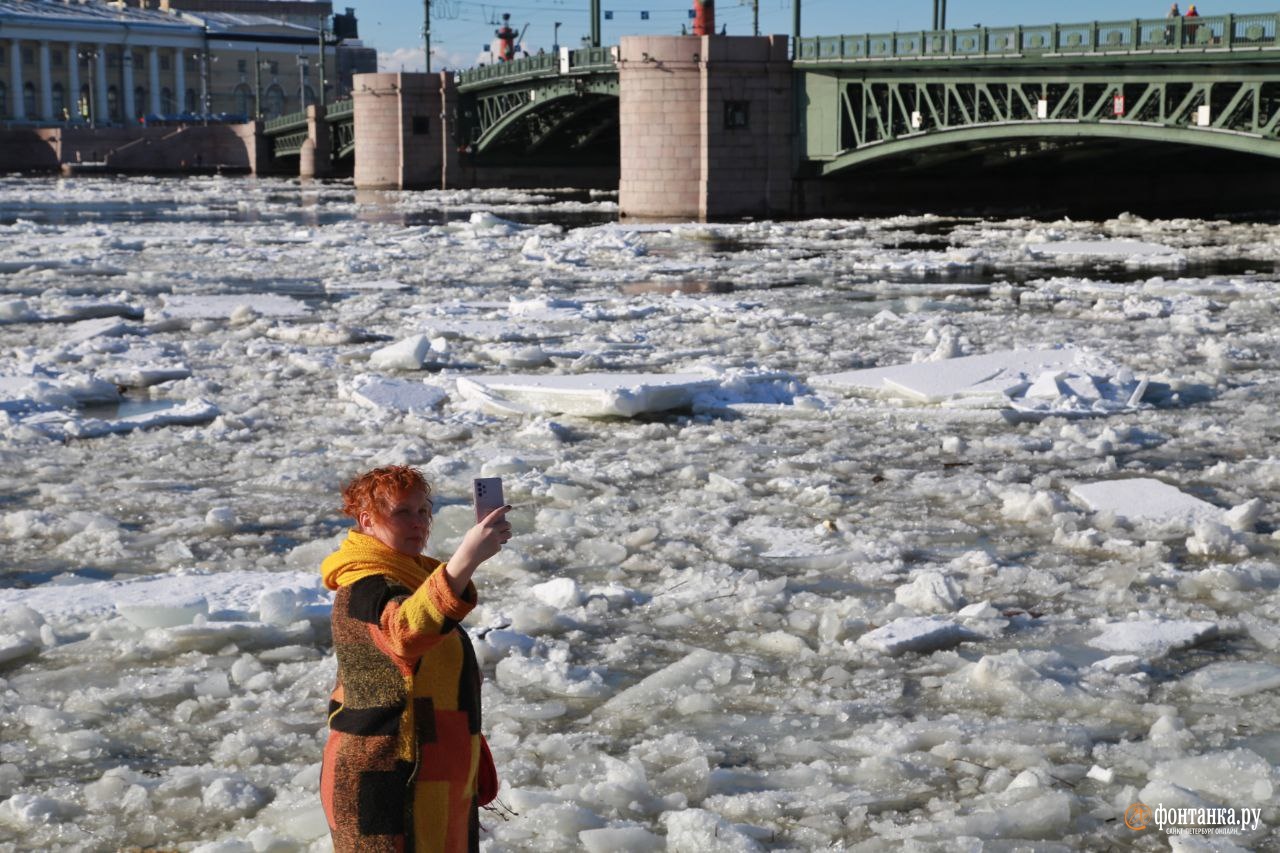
[1061,381]
[1153,638]
[1234,678]
[1144,500]
[592,395]
[394,395]
[226,306]
[662,688]
[915,634]
[1111,249]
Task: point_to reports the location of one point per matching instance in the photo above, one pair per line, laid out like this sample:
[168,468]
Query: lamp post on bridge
[303,67]
[426,31]
[90,56]
[595,23]
[795,29]
[555,41]
[939,14]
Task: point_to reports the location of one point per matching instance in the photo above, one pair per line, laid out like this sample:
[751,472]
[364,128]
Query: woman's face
[406,525]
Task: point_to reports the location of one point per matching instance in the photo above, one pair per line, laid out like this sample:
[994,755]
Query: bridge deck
[1104,40]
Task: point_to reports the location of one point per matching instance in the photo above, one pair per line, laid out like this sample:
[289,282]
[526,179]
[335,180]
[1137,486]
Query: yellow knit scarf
[361,555]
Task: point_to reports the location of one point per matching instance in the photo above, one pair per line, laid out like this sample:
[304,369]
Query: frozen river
[852,534]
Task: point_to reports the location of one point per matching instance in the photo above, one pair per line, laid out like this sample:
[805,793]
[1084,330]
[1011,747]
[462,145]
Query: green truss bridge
[862,103]
[1211,82]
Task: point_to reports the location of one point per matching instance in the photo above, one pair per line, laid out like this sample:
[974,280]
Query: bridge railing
[584,60]
[1153,35]
[284,122]
[336,110]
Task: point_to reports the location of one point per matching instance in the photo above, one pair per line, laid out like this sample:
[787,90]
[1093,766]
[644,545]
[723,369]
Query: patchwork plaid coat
[400,765]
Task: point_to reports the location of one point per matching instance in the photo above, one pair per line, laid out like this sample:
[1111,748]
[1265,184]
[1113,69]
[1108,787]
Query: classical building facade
[109,63]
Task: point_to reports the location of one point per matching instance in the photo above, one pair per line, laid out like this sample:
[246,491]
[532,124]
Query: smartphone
[486,494]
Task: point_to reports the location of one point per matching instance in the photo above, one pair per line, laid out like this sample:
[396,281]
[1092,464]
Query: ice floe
[1135,251]
[599,395]
[916,634]
[394,395]
[1054,381]
[1145,500]
[1234,678]
[232,307]
[1154,638]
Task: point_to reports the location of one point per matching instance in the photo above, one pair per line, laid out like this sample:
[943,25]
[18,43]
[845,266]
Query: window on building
[139,61]
[139,102]
[189,102]
[59,102]
[166,102]
[273,102]
[737,114]
[191,61]
[244,100]
[28,56]
[165,62]
[113,60]
[274,67]
[113,103]
[1,54]
[29,99]
[55,58]
[4,99]
[242,65]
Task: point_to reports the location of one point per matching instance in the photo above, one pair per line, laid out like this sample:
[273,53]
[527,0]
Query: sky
[461,30]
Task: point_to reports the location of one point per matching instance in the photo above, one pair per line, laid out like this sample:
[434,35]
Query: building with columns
[110,63]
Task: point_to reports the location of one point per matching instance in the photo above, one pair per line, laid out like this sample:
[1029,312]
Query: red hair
[378,490]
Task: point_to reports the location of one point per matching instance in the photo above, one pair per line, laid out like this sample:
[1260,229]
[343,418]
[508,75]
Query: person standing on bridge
[1171,28]
[1188,29]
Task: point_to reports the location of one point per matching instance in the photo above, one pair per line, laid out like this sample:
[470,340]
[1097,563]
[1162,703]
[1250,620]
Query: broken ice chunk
[408,354]
[1153,639]
[993,377]
[929,592]
[635,839]
[226,306]
[13,647]
[1145,500]
[1235,678]
[1081,386]
[915,634]
[1046,386]
[395,395]
[592,395]
[160,611]
[663,687]
[1129,250]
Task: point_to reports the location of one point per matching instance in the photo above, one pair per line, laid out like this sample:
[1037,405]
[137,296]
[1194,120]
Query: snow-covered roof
[85,12]
[94,13]
[238,23]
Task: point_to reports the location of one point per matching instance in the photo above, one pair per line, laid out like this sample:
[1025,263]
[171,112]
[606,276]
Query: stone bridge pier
[316,160]
[402,137]
[706,124]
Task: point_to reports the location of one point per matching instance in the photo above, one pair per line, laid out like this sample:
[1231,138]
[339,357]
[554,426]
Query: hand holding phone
[486,495]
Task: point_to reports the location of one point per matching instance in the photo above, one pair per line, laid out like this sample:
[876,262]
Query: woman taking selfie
[405,766]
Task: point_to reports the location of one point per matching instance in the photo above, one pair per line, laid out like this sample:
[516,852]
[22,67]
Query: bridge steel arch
[1230,106]
[542,107]
[1212,83]
[536,96]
